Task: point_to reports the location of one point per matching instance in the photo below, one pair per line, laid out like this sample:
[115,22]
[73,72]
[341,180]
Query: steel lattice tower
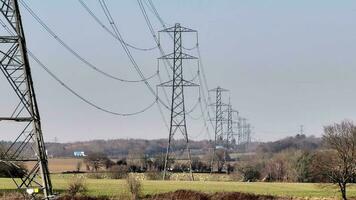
[28,145]
[230,133]
[239,131]
[177,120]
[219,120]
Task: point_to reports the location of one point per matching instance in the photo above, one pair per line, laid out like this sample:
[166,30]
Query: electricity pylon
[28,145]
[178,120]
[219,120]
[230,132]
[244,133]
[239,131]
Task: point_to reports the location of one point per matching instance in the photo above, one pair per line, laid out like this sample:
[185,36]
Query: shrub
[8,170]
[118,172]
[154,175]
[250,173]
[77,186]
[134,187]
[11,196]
[96,175]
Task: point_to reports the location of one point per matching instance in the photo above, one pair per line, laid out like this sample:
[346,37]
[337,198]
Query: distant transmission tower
[248,135]
[219,120]
[301,131]
[178,120]
[230,132]
[244,133]
[239,131]
[28,145]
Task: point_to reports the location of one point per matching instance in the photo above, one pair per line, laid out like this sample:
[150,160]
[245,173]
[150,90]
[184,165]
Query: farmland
[112,188]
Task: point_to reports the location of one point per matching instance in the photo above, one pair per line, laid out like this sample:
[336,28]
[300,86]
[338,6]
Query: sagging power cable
[83,99]
[75,53]
[127,50]
[97,20]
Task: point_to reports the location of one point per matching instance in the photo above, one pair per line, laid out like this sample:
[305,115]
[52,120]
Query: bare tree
[341,167]
[78,166]
[95,161]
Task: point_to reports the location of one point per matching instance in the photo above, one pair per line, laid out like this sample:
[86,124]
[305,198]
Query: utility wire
[42,65]
[194,107]
[163,24]
[201,78]
[91,13]
[153,9]
[114,33]
[126,49]
[83,98]
[75,53]
[156,12]
[155,38]
[149,24]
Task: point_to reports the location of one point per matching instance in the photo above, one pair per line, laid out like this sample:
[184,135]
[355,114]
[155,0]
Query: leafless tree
[95,161]
[340,168]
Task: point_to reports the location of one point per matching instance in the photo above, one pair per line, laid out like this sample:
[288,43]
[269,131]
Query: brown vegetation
[77,186]
[134,187]
[193,195]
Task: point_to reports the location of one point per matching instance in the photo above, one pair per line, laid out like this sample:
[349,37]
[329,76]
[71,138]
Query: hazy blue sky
[286,63]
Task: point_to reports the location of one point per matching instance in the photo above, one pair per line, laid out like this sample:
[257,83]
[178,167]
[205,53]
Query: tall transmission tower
[178,119]
[230,132]
[239,131]
[248,134]
[219,120]
[29,145]
[245,131]
[301,130]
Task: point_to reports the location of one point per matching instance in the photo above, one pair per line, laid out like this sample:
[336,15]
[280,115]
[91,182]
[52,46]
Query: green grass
[108,187]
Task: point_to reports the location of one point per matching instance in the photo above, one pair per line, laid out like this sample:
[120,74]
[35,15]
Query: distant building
[220,147]
[79,154]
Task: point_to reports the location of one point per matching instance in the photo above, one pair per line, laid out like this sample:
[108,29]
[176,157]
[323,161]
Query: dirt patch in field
[192,195]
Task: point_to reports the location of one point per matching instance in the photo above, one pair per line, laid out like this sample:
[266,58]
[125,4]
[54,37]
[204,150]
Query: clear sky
[286,63]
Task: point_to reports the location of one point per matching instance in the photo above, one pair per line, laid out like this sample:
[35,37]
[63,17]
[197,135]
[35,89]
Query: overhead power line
[152,8]
[97,20]
[115,34]
[201,76]
[156,39]
[75,53]
[42,65]
[85,99]
[127,50]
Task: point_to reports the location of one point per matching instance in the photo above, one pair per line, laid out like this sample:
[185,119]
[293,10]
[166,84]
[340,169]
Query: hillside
[124,147]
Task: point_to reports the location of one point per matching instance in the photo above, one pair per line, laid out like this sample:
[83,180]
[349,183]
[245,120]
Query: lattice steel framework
[29,145]
[178,119]
[230,132]
[244,133]
[239,131]
[219,121]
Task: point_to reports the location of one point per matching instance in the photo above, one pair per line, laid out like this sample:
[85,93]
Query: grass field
[109,187]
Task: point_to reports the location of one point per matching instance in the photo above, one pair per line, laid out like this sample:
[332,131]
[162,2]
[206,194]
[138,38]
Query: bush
[11,196]
[118,172]
[134,187]
[8,170]
[250,174]
[96,175]
[154,175]
[77,186]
